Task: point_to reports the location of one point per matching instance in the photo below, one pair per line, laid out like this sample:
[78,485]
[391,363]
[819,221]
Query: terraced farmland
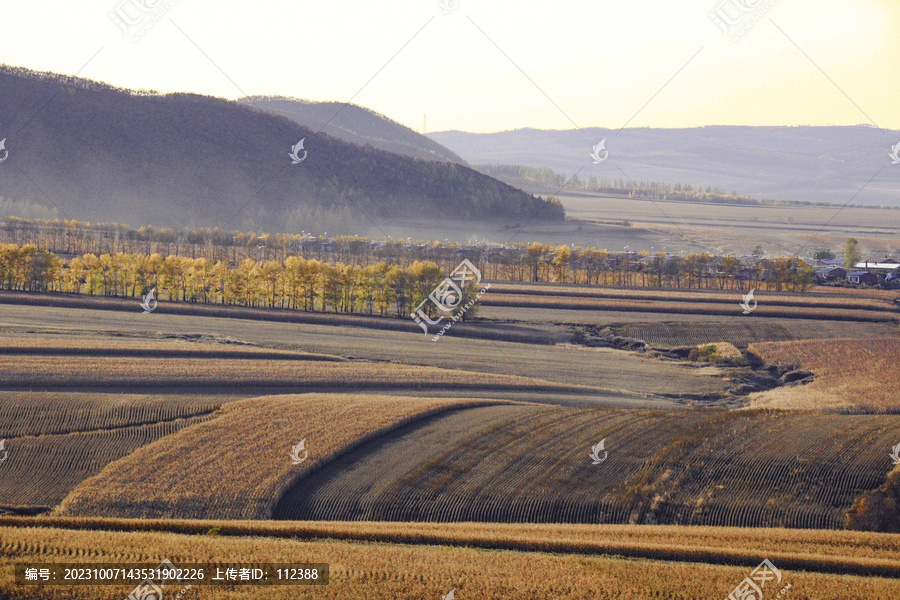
[469,359]
[530,464]
[409,480]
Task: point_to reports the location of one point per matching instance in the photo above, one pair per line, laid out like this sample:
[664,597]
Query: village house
[863,277]
[831,274]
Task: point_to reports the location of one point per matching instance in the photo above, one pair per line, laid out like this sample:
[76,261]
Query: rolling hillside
[240,462]
[531,464]
[102,153]
[355,124]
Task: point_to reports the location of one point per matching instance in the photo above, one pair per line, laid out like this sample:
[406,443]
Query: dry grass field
[187,346]
[851,375]
[383,571]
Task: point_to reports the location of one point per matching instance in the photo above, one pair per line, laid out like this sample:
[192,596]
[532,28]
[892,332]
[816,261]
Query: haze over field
[840,165]
[701,93]
[450,299]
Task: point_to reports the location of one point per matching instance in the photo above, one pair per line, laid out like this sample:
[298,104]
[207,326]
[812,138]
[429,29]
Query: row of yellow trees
[313,284]
[513,262]
[296,283]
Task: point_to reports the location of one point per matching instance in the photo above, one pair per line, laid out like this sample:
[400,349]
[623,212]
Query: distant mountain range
[818,164]
[356,124]
[103,154]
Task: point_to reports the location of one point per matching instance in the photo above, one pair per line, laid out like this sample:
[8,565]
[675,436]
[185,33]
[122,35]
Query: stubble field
[184,416]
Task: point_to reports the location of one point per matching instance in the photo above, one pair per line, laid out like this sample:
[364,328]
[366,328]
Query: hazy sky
[493,65]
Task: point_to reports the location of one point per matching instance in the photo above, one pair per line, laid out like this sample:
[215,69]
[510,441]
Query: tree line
[311,284]
[615,185]
[297,283]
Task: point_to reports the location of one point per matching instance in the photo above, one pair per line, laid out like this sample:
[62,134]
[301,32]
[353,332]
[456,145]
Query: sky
[491,65]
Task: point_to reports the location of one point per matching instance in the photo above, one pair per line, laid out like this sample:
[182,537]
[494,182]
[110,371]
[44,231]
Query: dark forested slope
[356,124]
[100,153]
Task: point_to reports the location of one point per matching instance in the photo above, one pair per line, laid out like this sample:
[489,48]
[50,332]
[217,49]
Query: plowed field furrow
[526,464]
[240,463]
[46,413]
[40,471]
[793,465]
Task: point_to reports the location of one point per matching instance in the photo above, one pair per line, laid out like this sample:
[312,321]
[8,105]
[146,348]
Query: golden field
[238,464]
[851,374]
[430,569]
[188,418]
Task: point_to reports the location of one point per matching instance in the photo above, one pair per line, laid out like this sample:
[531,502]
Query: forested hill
[100,153]
[357,124]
